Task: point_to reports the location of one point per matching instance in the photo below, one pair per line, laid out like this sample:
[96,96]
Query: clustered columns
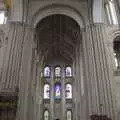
[97,72]
[17,64]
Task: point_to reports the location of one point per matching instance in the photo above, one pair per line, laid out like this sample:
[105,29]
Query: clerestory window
[47,71]
[3,17]
[68,71]
[46,91]
[68,91]
[111,12]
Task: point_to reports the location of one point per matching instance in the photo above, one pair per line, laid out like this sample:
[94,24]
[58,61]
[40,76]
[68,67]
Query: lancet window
[47,71]
[57,71]
[69,115]
[57,90]
[68,91]
[68,71]
[46,91]
[46,115]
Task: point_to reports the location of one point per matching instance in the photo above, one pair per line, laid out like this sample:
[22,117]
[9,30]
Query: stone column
[97,71]
[16,69]
[10,74]
[25,95]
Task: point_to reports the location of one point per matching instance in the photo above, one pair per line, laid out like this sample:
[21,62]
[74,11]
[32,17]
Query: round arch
[58,9]
[114,34]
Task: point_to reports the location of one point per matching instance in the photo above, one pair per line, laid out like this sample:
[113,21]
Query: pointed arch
[69,115]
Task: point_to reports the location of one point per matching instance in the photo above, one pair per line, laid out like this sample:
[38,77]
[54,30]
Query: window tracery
[53,88]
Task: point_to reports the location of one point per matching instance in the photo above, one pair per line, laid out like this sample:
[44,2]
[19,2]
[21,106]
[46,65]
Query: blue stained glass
[57,90]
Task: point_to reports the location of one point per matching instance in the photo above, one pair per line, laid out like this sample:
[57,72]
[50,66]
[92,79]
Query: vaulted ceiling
[58,36]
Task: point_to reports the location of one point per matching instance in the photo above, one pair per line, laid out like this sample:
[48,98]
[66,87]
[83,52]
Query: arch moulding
[115,34]
[112,35]
[58,9]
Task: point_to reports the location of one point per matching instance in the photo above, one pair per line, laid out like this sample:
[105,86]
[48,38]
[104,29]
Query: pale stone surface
[96,88]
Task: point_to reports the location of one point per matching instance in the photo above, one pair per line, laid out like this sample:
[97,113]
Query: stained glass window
[68,91]
[69,115]
[46,91]
[47,71]
[57,90]
[68,71]
[57,71]
[46,115]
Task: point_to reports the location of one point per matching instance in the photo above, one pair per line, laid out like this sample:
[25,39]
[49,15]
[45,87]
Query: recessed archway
[59,44]
[58,35]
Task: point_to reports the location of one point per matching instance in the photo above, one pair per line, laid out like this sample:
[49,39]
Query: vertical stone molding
[25,97]
[12,60]
[98,76]
[16,68]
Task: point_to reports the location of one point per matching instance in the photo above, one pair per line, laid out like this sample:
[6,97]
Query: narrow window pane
[68,72]
[69,115]
[68,91]
[46,91]
[3,18]
[47,71]
[57,90]
[116,47]
[113,12]
[116,61]
[46,115]
[57,71]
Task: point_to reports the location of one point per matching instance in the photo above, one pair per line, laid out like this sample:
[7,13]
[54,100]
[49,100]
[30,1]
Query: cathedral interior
[59,59]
